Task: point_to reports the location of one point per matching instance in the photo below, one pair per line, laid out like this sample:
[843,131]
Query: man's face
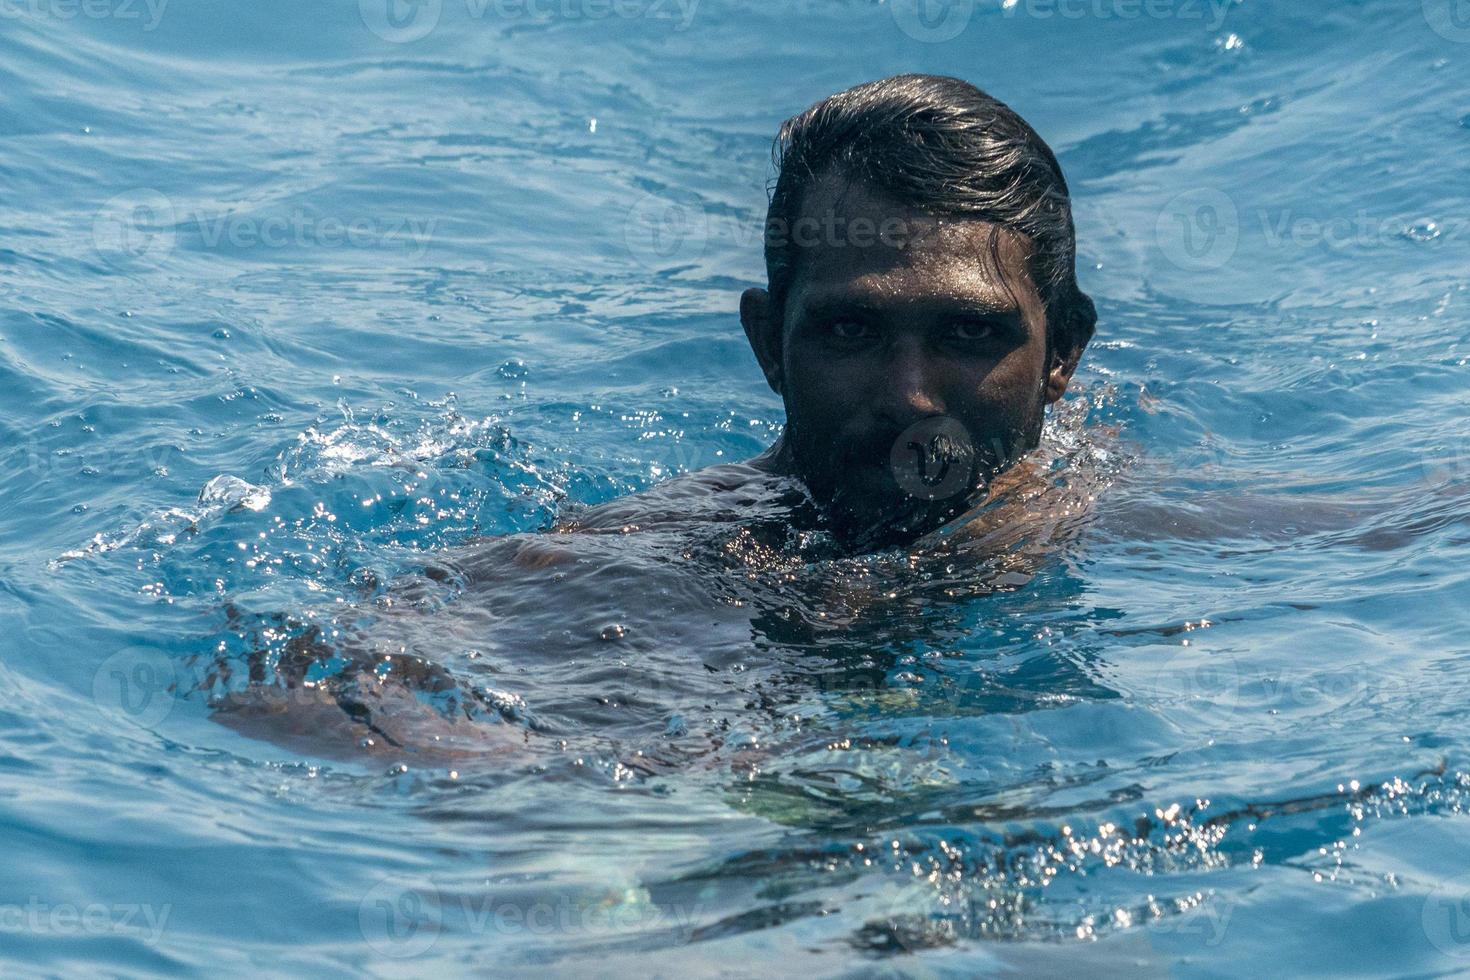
[913,364]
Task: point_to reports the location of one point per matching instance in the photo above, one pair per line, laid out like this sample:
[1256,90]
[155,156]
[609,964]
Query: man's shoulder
[715,493]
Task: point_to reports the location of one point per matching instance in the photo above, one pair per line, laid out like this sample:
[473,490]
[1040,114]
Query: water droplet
[234,493]
[1422,231]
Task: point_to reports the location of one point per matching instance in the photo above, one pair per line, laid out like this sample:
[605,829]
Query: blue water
[296,301]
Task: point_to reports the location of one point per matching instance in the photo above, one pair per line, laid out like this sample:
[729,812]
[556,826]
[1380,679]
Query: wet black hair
[946,148]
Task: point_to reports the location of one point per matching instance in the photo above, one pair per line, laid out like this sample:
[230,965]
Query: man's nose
[908,392]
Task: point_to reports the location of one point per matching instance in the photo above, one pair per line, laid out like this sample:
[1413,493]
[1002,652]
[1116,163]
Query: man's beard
[895,486]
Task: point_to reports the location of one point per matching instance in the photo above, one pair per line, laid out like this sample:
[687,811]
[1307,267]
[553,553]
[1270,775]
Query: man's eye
[848,329]
[972,330]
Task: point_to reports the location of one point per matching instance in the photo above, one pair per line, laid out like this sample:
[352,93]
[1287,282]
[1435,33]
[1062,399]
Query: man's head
[922,306]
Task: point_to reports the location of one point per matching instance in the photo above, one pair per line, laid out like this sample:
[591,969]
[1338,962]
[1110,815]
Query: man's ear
[1064,360]
[763,330]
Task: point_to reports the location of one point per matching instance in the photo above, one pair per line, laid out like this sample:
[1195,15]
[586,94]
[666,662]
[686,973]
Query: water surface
[300,304]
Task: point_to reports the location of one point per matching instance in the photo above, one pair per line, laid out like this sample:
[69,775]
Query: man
[920,314]
[921,308]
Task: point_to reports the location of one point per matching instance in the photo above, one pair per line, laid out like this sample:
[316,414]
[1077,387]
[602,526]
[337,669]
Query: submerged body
[921,313]
[649,607]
